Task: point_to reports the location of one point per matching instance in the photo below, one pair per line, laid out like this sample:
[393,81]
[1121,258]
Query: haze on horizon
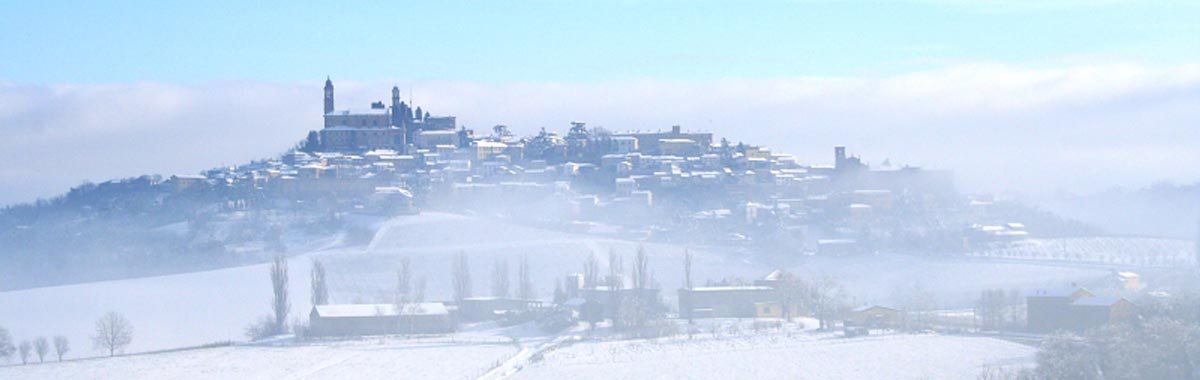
[1032,97]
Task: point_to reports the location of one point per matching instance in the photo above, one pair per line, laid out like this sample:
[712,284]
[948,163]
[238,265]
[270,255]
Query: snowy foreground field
[366,359]
[773,356]
[796,355]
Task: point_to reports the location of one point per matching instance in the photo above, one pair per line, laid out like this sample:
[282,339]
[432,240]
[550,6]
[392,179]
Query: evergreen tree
[312,143]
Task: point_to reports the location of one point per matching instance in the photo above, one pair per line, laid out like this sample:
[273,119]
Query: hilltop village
[668,184]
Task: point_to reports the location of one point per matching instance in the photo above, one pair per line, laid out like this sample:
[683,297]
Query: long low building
[379,319]
[724,301]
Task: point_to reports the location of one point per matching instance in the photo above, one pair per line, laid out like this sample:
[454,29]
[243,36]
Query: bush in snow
[265,327]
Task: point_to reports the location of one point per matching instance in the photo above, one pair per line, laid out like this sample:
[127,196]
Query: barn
[379,319]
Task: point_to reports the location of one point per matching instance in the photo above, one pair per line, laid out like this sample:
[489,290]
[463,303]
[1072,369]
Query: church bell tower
[328,95]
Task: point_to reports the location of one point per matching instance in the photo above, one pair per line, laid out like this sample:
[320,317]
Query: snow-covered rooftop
[373,310]
[1097,301]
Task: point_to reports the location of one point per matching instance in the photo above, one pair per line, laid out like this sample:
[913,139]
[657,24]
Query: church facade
[378,127]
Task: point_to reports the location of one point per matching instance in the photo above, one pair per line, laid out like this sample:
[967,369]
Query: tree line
[113,333]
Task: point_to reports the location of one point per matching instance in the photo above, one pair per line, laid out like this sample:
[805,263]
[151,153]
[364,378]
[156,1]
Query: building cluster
[672,183]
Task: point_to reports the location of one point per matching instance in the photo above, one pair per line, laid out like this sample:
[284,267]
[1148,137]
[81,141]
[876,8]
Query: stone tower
[328,95]
[397,110]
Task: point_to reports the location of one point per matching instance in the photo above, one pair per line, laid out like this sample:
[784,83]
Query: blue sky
[1102,93]
[178,42]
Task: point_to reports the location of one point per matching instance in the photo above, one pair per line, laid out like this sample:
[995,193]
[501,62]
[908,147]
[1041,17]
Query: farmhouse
[378,319]
[1075,309]
[1049,309]
[1091,312]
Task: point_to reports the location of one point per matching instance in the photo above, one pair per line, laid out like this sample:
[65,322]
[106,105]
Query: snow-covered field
[800,356]
[379,358]
[203,307]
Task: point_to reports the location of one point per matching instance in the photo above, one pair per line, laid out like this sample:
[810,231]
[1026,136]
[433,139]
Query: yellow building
[773,309]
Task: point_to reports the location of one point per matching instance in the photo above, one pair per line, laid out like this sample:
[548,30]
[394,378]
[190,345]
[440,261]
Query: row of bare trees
[112,334]
[997,310]
[500,283]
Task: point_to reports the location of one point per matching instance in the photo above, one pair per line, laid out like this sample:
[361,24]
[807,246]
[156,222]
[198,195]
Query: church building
[377,127]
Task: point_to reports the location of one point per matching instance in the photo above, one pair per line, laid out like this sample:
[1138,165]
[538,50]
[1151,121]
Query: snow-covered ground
[203,307]
[484,351]
[798,356]
[378,358]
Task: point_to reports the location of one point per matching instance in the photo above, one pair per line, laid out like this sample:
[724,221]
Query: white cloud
[999,126]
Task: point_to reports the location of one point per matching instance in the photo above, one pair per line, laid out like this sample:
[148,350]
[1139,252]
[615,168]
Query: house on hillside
[379,319]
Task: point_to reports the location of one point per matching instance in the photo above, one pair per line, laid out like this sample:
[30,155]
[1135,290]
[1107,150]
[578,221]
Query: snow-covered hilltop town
[603,253]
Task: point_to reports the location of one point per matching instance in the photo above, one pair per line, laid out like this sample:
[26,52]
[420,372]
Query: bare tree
[280,304]
[61,346]
[826,299]
[403,282]
[42,347]
[525,289]
[641,274]
[500,277]
[460,273]
[320,289]
[687,270]
[419,290]
[615,283]
[6,344]
[559,295]
[791,290]
[1015,309]
[591,271]
[640,307]
[990,309]
[113,333]
[24,348]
